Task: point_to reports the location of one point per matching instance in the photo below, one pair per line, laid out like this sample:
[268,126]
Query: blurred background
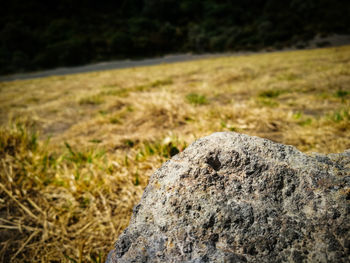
[38,34]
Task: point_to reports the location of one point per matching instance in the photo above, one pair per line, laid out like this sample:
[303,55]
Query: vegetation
[36,34]
[76,151]
[196,99]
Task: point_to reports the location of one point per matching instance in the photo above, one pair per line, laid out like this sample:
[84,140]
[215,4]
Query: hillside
[77,151]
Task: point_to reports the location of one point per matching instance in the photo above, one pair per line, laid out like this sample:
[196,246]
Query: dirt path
[110,65]
[335,40]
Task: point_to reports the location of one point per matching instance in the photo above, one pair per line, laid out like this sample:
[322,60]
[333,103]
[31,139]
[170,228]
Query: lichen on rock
[230,197]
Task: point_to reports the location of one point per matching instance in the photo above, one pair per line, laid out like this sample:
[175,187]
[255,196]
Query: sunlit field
[76,151]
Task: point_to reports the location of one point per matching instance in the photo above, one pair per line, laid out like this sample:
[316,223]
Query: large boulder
[234,198]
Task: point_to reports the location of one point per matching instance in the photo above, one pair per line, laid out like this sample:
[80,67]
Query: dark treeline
[40,34]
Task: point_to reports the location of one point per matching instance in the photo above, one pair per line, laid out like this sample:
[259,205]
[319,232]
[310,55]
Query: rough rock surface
[234,198]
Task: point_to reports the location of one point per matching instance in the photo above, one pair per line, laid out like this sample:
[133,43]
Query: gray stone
[234,198]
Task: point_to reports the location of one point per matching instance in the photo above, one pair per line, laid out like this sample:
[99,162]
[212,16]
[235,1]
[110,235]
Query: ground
[77,150]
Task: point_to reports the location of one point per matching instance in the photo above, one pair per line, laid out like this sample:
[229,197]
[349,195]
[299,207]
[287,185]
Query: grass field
[76,151]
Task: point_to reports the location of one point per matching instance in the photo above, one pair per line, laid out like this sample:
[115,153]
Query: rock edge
[231,197]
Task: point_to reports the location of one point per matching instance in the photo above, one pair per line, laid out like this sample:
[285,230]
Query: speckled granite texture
[235,198]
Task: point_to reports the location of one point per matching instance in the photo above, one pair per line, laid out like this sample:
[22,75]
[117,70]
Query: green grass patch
[288,77]
[270,94]
[33,100]
[226,126]
[302,120]
[115,120]
[82,157]
[153,84]
[162,82]
[305,122]
[196,99]
[267,97]
[340,115]
[342,94]
[129,143]
[121,92]
[95,141]
[268,102]
[103,112]
[91,100]
[18,137]
[130,108]
[189,119]
[165,148]
[137,178]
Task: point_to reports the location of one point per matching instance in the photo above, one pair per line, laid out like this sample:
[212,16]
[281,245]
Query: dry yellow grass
[68,198]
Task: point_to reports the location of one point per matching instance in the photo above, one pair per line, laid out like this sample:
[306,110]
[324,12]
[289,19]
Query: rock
[234,198]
